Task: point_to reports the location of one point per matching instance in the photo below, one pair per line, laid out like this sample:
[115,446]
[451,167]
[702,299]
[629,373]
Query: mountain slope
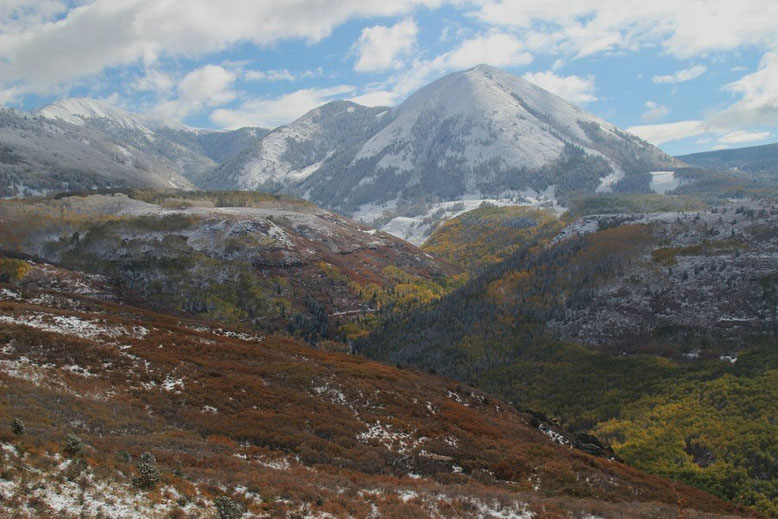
[235,257]
[291,153]
[195,153]
[618,314]
[267,425]
[39,155]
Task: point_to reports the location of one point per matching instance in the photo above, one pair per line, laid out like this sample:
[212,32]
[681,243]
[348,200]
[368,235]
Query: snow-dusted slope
[290,154]
[82,111]
[40,155]
[81,143]
[496,116]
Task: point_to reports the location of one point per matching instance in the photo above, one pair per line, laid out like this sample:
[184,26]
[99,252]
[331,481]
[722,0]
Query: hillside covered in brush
[266,261]
[655,331]
[110,410]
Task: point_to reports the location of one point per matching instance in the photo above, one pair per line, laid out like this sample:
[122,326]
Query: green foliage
[719,434]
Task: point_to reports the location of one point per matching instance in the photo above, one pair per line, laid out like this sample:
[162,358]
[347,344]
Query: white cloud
[658,134]
[759,97]
[376,98]
[684,28]
[686,74]
[654,112]
[280,110]
[270,75]
[47,51]
[154,80]
[741,136]
[382,48]
[207,86]
[497,49]
[576,89]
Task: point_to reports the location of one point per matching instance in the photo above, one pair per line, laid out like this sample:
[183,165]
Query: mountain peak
[78,110]
[81,110]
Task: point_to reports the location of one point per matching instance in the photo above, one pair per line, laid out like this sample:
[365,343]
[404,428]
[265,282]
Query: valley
[484,301]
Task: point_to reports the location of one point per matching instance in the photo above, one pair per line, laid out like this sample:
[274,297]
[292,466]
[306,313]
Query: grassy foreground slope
[265,424]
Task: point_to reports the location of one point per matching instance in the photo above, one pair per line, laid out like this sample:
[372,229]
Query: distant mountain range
[758,160]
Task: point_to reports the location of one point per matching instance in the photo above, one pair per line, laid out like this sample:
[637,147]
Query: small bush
[73,445]
[148,473]
[227,508]
[18,427]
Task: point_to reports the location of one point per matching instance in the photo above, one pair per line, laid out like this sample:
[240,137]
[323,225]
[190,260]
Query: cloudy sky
[688,75]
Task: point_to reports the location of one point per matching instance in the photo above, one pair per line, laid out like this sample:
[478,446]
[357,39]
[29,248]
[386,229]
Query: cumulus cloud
[654,112]
[680,76]
[272,112]
[684,29]
[207,86]
[108,33]
[497,49]
[758,103]
[382,48]
[576,89]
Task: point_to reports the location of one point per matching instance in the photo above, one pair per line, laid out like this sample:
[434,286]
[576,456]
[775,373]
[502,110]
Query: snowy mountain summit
[479,134]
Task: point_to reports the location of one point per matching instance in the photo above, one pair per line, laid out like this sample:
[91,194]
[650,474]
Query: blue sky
[689,76]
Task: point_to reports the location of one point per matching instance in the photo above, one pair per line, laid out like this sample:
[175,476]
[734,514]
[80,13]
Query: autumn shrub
[13,269]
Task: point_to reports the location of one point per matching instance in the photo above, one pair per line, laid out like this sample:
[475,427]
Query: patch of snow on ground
[8,294]
[170,383]
[68,325]
[498,511]
[664,181]
[401,442]
[555,436]
[608,181]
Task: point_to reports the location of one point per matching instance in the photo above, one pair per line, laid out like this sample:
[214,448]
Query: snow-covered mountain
[194,152]
[290,154]
[81,143]
[472,135]
[39,155]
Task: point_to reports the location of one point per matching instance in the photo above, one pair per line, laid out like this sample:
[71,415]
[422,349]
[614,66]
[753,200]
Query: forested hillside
[654,330]
[267,261]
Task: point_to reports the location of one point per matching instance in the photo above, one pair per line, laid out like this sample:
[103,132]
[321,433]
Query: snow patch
[663,182]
